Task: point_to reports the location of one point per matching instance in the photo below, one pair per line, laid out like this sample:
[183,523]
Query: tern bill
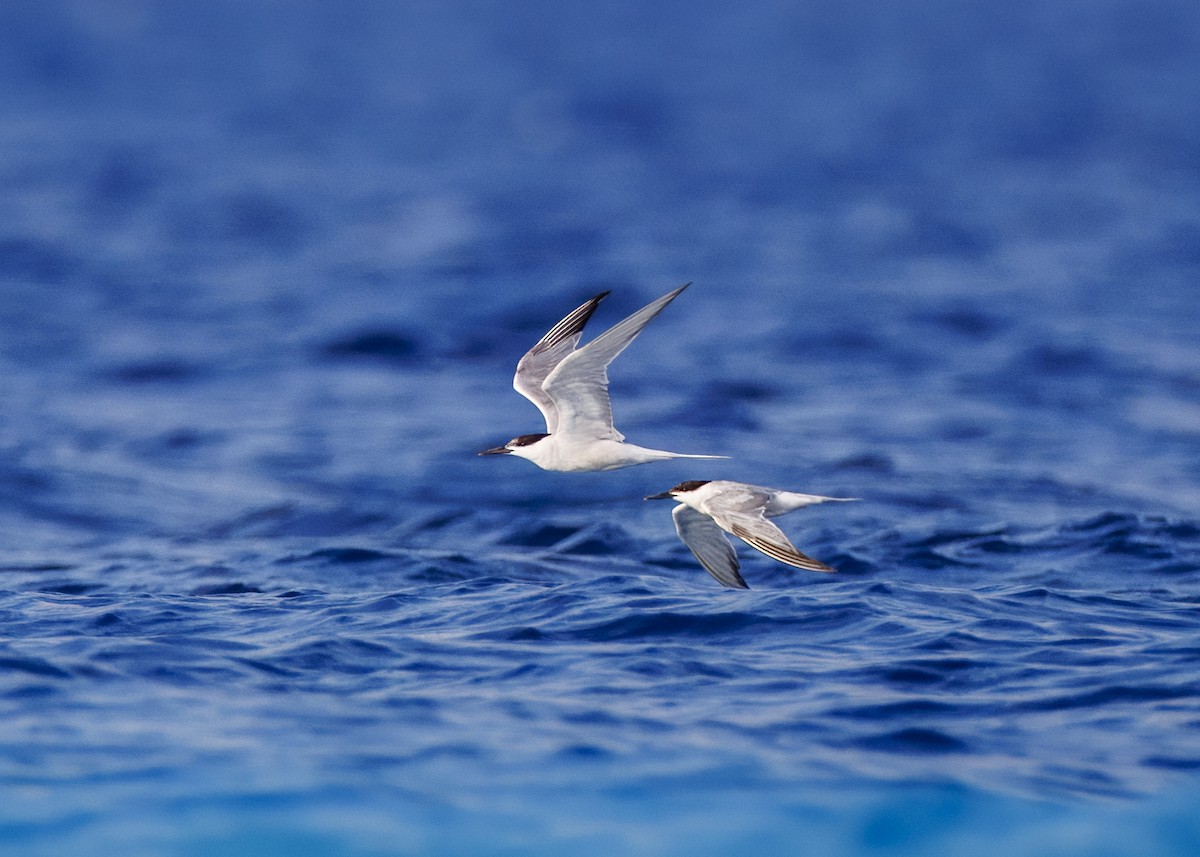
[569,385]
[708,510]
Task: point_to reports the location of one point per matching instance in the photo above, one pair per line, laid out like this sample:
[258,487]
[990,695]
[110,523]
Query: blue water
[265,271]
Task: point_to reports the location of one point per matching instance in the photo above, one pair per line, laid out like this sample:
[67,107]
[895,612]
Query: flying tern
[709,509]
[569,385]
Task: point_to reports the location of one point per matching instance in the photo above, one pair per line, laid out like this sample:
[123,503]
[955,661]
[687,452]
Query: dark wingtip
[571,325]
[730,578]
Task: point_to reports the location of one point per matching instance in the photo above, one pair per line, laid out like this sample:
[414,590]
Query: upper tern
[706,508]
[569,385]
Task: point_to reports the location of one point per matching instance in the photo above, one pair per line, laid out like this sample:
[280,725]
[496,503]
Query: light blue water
[266,270]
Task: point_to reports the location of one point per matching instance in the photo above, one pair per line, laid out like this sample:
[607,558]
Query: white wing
[741,510]
[578,385]
[762,535]
[550,350]
[709,544]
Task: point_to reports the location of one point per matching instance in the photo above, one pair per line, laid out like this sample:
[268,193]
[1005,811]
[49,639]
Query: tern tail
[631,454]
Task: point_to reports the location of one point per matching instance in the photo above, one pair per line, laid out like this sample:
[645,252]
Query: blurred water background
[266,268]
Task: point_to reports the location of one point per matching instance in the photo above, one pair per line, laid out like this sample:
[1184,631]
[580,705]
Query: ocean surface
[266,269]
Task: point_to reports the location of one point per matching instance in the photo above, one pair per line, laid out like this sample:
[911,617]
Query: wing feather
[558,343]
[578,385]
[709,544]
[764,536]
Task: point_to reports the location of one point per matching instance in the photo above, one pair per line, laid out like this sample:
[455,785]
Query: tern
[569,385]
[709,509]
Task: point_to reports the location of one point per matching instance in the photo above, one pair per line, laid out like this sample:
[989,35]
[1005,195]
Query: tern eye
[526,439]
[691,485]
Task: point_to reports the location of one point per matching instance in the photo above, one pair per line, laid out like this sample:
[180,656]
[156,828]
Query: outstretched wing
[764,536]
[578,385]
[551,350]
[709,544]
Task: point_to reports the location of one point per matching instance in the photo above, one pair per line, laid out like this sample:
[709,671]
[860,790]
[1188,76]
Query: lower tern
[709,509]
[569,385]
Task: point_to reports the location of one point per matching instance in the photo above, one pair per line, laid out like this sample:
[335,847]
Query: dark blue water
[265,271]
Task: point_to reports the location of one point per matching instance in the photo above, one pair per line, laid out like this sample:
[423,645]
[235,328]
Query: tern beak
[666,495]
[496,450]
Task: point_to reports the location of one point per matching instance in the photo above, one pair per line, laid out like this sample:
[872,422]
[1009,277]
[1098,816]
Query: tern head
[521,446]
[679,490]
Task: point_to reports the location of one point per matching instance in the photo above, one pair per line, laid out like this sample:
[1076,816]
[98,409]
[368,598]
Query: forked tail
[644,454]
[786,501]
